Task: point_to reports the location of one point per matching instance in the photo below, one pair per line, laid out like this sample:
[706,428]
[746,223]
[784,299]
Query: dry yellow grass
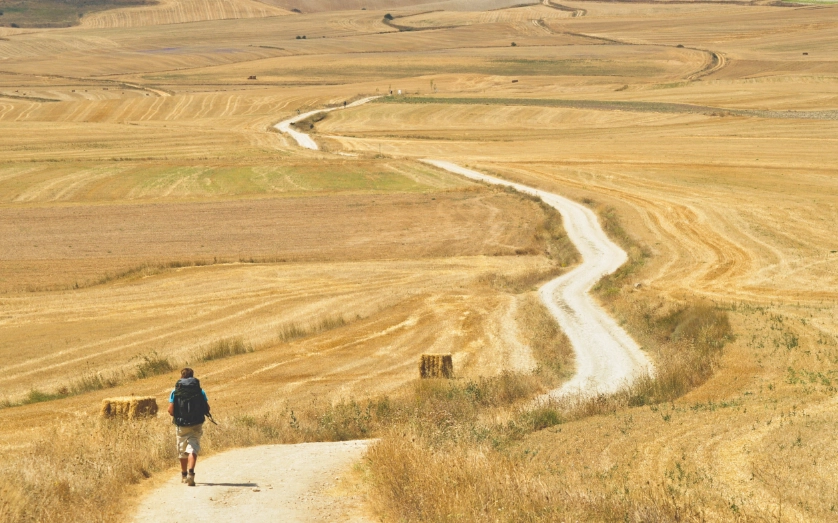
[737,208]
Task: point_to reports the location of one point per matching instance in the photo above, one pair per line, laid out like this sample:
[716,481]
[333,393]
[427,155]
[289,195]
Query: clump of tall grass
[296,330]
[153,364]
[611,284]
[551,348]
[92,381]
[224,348]
[550,232]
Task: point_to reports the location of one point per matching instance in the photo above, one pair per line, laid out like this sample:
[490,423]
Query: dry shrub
[558,246]
[153,364]
[306,125]
[224,349]
[294,330]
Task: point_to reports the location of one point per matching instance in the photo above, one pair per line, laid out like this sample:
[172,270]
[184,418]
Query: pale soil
[288,483]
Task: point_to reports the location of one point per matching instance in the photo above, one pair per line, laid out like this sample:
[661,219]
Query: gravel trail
[607,358]
[287,483]
[305,141]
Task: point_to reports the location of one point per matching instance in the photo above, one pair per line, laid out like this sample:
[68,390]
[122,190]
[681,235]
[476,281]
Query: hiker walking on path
[188,407]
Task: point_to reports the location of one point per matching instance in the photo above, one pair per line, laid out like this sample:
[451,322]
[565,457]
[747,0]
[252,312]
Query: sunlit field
[151,217]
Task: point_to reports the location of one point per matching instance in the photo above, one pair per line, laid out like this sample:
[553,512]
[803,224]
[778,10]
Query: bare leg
[192,459]
[183,464]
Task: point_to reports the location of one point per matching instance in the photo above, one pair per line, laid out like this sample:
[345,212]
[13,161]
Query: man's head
[187,373]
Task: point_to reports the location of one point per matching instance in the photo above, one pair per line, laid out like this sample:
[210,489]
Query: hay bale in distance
[436,366]
[130,407]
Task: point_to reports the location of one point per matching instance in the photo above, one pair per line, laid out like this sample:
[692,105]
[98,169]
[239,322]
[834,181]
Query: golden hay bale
[131,407]
[436,366]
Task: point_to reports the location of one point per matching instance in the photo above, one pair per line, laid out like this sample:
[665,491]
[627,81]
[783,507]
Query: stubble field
[149,210]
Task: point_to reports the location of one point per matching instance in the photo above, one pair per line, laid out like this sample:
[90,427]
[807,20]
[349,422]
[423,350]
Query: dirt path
[606,357]
[304,140]
[292,482]
[288,483]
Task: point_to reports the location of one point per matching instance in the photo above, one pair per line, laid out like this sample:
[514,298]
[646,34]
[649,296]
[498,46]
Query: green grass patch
[37,396]
[296,330]
[131,181]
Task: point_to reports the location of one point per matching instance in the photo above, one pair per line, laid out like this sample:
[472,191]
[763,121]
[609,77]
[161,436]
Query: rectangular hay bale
[130,407]
[436,366]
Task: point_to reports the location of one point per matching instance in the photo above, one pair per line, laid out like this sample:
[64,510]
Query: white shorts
[189,440]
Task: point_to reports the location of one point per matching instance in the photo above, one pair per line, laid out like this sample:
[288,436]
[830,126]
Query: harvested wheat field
[153,216]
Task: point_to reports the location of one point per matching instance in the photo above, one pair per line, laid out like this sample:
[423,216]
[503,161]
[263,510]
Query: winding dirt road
[238,485]
[607,358]
[305,141]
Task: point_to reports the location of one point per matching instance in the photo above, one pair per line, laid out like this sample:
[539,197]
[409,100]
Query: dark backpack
[190,404]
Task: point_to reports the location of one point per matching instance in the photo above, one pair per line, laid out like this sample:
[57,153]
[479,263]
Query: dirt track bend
[606,357]
[606,360]
[303,139]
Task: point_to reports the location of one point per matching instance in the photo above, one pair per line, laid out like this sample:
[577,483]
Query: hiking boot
[190,480]
[183,479]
